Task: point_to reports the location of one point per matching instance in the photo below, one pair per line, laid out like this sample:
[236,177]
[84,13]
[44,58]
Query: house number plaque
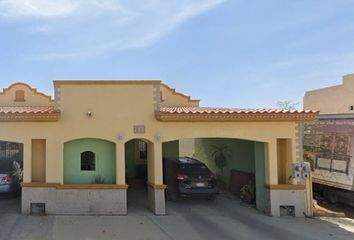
[139,129]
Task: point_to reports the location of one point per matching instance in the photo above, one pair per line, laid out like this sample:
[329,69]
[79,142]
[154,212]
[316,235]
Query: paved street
[194,219]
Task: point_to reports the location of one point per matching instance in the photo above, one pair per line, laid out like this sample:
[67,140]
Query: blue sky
[235,53]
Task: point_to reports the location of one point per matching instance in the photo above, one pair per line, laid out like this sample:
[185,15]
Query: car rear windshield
[5,165]
[194,168]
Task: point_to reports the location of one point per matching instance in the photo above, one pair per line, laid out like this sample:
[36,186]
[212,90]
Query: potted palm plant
[220,154]
[248,193]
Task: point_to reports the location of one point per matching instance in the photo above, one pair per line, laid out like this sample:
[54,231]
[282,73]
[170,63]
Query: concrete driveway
[191,219]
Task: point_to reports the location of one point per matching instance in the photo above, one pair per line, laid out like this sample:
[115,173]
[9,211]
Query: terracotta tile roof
[29,113]
[212,110]
[28,110]
[232,114]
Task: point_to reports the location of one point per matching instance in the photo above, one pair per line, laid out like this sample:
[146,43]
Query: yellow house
[79,148]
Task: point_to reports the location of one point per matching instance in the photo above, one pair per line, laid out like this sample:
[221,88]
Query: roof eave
[239,117]
[105,82]
[20,117]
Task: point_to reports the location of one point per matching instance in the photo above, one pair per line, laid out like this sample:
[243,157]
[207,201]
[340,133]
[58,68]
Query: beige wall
[115,110]
[38,160]
[187,147]
[284,159]
[169,97]
[335,99]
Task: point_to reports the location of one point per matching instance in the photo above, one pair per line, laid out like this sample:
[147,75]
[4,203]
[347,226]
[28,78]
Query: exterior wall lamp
[120,136]
[158,137]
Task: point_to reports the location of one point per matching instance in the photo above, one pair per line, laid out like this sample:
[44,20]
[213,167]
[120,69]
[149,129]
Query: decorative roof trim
[174,92]
[105,82]
[34,90]
[235,117]
[28,114]
[54,117]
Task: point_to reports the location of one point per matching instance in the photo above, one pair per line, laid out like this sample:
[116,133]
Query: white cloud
[37,8]
[84,28]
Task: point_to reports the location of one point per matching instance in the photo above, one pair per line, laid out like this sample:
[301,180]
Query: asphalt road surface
[194,219]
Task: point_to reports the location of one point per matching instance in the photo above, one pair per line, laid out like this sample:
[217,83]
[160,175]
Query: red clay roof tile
[28,110]
[213,110]
[232,114]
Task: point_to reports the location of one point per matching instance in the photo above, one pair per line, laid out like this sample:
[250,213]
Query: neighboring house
[338,99]
[82,149]
[329,142]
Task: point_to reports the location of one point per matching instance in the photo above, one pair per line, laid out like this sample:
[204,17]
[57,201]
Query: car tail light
[213,176]
[8,178]
[182,176]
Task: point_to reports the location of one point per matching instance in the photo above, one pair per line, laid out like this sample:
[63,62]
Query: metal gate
[10,152]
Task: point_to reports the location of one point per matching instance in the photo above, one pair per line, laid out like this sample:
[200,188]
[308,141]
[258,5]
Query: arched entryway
[138,158]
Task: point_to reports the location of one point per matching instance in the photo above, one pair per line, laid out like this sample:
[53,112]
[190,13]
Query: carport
[11,164]
[244,162]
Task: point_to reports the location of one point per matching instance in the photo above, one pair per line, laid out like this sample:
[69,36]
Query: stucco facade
[338,99]
[119,111]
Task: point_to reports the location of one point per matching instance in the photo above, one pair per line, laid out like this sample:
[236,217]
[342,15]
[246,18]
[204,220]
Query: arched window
[88,161]
[20,96]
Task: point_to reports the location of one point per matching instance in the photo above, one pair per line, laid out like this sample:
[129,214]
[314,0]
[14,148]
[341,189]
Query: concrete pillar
[120,163]
[151,163]
[271,163]
[120,177]
[156,189]
[158,171]
[27,161]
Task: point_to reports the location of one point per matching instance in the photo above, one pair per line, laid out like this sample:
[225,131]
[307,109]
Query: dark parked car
[10,177]
[186,176]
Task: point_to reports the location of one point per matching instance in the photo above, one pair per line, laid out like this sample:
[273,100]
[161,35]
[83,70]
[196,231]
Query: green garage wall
[260,175]
[247,156]
[242,155]
[105,161]
[170,149]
